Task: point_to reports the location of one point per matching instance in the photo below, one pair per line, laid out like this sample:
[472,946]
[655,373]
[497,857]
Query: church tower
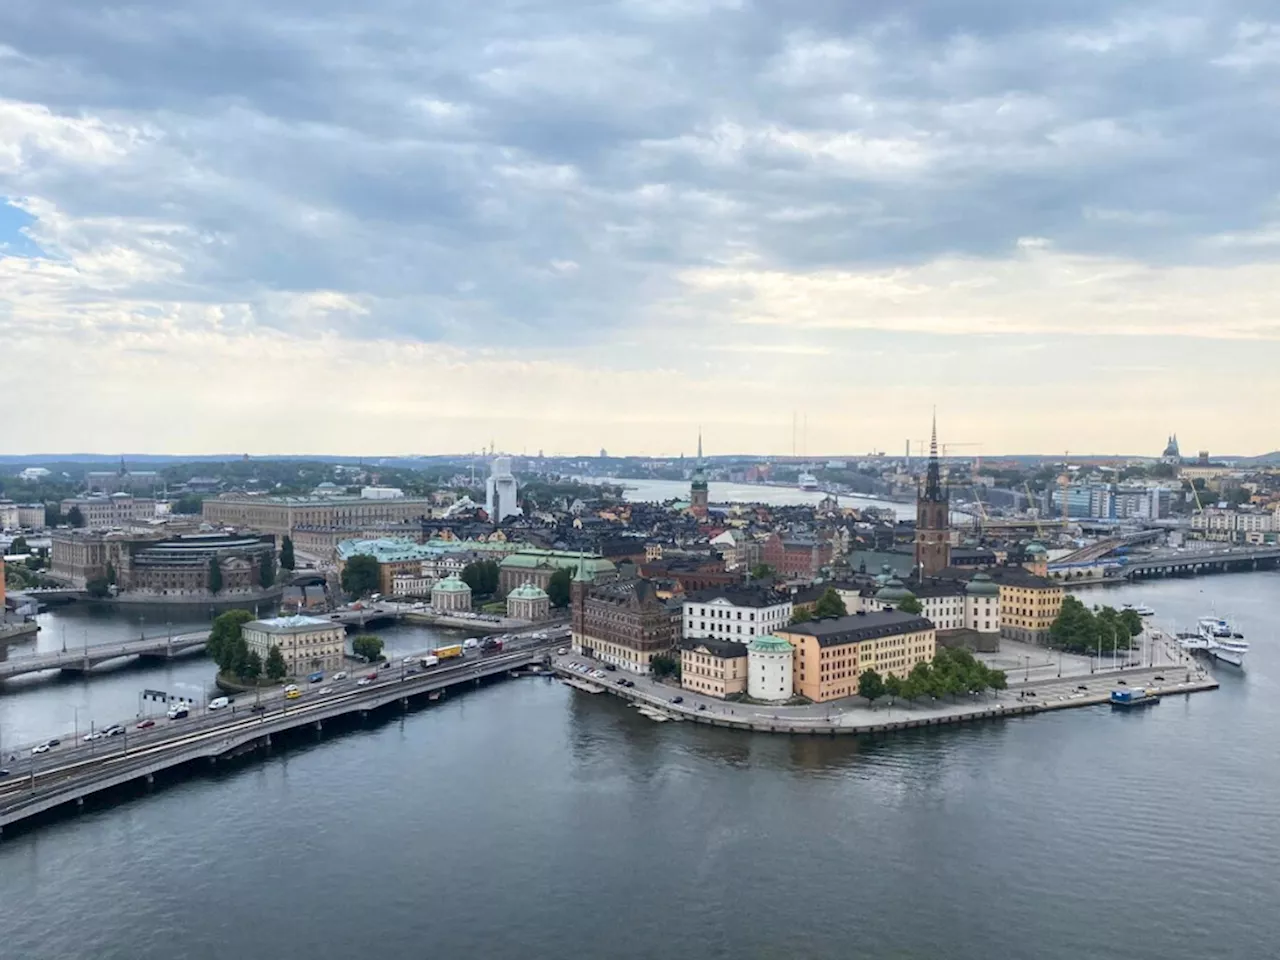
[579,590]
[698,489]
[933,517]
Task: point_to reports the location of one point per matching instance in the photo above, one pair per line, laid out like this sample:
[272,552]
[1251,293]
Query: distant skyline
[320,225]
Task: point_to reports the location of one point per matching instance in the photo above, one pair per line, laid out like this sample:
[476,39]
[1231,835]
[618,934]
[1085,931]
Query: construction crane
[982,517]
[922,446]
[1030,499]
[1196,493]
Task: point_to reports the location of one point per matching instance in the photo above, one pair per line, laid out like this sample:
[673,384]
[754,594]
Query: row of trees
[1078,629]
[951,673]
[481,577]
[231,652]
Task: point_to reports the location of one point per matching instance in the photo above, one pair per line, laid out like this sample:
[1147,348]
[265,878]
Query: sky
[400,226]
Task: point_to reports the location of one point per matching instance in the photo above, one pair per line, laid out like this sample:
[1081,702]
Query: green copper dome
[451,584]
[769,644]
[1035,550]
[895,591]
[527,591]
[982,586]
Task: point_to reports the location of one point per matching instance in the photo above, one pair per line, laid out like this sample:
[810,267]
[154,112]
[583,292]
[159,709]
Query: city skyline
[224,227]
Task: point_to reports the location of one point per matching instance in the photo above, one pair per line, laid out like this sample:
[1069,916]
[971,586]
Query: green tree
[664,665]
[893,685]
[997,680]
[481,577]
[829,605]
[267,571]
[252,668]
[97,587]
[871,686]
[275,664]
[368,646]
[287,560]
[558,588]
[911,605]
[75,517]
[215,576]
[52,515]
[237,656]
[188,505]
[19,545]
[762,571]
[360,575]
[223,634]
[801,616]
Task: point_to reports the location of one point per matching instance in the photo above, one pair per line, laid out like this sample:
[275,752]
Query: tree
[188,505]
[52,515]
[252,668]
[664,665]
[360,575]
[481,577]
[237,656]
[368,646]
[267,572]
[19,545]
[893,685]
[762,571]
[275,664]
[111,574]
[801,616]
[75,517]
[829,605]
[215,575]
[97,587]
[287,560]
[223,636]
[911,605]
[870,686]
[997,680]
[558,588]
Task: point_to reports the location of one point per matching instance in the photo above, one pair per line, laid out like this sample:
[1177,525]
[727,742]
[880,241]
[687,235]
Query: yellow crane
[1030,500]
[1196,493]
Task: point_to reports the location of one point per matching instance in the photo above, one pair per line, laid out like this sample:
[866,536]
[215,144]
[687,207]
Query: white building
[381,493]
[306,643]
[734,613]
[450,594]
[501,492]
[769,669]
[949,605]
[9,515]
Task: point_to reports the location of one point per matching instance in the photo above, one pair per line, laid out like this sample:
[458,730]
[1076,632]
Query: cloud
[682,193]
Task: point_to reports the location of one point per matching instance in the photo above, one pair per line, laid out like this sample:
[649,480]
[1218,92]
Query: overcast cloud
[308,225]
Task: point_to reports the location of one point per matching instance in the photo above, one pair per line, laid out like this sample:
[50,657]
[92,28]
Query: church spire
[699,444]
[933,482]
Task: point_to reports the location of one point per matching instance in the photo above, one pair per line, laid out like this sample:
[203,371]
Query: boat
[1216,638]
[1127,697]
[1141,609]
[808,481]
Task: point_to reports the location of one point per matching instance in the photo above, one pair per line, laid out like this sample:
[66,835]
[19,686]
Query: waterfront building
[501,492]
[1232,526]
[150,566]
[527,602]
[933,517]
[1028,604]
[411,585]
[450,595]
[770,669]
[280,515]
[698,492]
[716,668]
[624,622]
[832,653]
[739,614]
[306,643]
[116,510]
[535,566]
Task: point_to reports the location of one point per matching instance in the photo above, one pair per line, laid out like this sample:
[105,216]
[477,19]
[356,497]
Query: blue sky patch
[13,242]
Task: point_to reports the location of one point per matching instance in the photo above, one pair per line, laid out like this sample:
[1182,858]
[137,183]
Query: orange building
[832,653]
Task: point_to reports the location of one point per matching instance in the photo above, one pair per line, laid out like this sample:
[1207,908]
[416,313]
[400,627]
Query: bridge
[55,780]
[1188,563]
[1096,551]
[84,659]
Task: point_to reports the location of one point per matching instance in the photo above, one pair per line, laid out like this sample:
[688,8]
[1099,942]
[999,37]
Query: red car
[146,724]
[371,676]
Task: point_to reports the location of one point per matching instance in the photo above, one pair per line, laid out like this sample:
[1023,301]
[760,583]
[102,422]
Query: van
[177,712]
[219,703]
[470,643]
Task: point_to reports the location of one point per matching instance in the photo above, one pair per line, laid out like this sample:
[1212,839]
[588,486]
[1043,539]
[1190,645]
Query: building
[501,492]
[537,567]
[31,516]
[280,515]
[698,492]
[1028,603]
[1171,454]
[307,643]
[527,602]
[933,517]
[795,556]
[381,493]
[122,480]
[832,653]
[450,595]
[739,614]
[116,510]
[9,515]
[624,622]
[717,668]
[1233,526]
[151,566]
[770,669]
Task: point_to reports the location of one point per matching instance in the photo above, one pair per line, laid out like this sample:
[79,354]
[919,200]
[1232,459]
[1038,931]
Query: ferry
[1216,638]
[808,481]
[1133,697]
[1141,609]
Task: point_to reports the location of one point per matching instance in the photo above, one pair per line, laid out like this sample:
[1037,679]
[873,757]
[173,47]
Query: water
[527,820]
[659,491]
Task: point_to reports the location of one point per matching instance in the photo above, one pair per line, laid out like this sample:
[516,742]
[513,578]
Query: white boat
[1141,609]
[1216,638]
[808,481]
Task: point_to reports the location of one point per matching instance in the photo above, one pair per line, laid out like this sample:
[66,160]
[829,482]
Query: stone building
[735,613]
[770,669]
[501,492]
[933,518]
[624,622]
[528,602]
[117,510]
[717,668]
[280,515]
[450,595]
[537,567]
[306,643]
[795,556]
[832,653]
[698,491]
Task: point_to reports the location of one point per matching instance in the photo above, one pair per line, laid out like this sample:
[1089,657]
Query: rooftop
[724,649]
[835,631]
[294,624]
[771,644]
[738,596]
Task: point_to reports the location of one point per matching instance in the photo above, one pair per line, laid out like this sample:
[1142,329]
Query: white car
[340,675]
[219,703]
[363,682]
[407,660]
[40,748]
[90,737]
[326,689]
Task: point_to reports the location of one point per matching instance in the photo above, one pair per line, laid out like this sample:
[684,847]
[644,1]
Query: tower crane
[1030,499]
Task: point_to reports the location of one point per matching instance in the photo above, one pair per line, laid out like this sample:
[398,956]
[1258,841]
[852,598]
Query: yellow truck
[449,652]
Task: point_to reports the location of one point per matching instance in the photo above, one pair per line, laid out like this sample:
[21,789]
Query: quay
[58,779]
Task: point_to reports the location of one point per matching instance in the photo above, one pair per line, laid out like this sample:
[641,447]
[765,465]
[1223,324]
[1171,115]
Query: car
[316,677]
[677,699]
[371,675]
[407,660]
[1123,683]
[631,683]
[363,682]
[1158,679]
[291,688]
[326,689]
[39,748]
[114,730]
[53,741]
[1082,687]
[4,772]
[610,667]
[258,708]
[702,706]
[620,682]
[562,652]
[177,713]
[146,724]
[340,675]
[93,735]
[219,703]
[292,694]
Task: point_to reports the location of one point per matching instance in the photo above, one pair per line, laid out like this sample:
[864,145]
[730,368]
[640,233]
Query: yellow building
[717,668]
[832,653]
[1028,604]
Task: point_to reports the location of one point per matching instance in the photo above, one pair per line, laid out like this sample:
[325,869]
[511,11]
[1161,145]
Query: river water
[528,820]
[660,491]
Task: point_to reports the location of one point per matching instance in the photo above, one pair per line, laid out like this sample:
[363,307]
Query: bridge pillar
[404,703]
[319,726]
[79,803]
[151,779]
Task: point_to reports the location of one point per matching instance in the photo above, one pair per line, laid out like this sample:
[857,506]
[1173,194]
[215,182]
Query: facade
[1028,603]
[624,622]
[795,556]
[933,518]
[1232,526]
[501,492]
[122,480]
[528,602]
[117,510]
[410,585]
[31,516]
[698,492]
[306,643]
[450,595]
[738,614]
[8,515]
[160,568]
[716,668]
[280,515]
[831,654]
[537,566]
[770,669]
